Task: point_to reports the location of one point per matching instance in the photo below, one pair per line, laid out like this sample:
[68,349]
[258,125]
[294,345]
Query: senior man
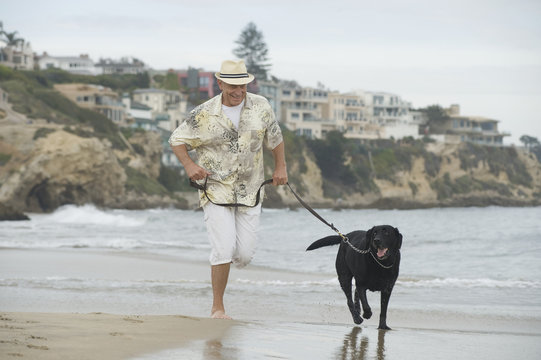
[227,133]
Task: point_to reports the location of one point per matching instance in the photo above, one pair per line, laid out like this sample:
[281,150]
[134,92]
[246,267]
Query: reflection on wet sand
[215,350]
[355,349]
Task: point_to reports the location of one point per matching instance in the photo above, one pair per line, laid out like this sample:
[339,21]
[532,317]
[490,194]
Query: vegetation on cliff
[377,173]
[32,94]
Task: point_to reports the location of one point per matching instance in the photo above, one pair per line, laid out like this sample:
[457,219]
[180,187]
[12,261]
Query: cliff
[343,173]
[53,153]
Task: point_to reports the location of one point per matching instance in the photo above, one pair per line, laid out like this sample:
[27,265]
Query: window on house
[203,81]
[487,126]
[378,99]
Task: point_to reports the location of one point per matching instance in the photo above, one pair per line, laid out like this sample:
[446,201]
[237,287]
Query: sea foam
[89,214]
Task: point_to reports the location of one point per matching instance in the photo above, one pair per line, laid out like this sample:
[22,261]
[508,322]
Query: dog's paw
[384,327]
[357,320]
[367,314]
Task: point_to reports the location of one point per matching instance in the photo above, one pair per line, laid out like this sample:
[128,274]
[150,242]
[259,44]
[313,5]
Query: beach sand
[301,323]
[98,335]
[105,336]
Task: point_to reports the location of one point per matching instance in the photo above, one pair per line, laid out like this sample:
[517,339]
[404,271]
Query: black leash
[266,182]
[204,189]
[301,201]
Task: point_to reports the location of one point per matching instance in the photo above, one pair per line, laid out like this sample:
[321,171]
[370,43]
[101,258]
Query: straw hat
[234,73]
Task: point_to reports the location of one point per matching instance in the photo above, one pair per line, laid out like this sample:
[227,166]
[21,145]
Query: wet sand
[105,336]
[38,323]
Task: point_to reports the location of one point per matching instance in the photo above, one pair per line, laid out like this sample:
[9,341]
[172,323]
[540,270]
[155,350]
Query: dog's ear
[369,237]
[399,236]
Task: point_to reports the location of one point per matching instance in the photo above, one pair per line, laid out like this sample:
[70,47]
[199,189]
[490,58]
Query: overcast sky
[482,54]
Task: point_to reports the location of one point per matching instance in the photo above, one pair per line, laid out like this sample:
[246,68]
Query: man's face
[232,95]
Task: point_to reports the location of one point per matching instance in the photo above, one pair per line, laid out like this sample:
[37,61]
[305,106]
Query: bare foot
[220,315]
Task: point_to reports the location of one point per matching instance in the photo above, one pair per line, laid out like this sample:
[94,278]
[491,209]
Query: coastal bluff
[44,165]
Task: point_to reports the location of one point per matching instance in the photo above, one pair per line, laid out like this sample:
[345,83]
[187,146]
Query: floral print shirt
[233,156]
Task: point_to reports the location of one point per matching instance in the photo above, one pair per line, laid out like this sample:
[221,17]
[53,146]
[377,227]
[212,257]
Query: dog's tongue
[382,252]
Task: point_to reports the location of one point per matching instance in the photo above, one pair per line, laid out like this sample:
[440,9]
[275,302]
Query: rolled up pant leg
[232,233]
[247,225]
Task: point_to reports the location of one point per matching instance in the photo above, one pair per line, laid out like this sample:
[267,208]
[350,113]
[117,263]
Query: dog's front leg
[385,296]
[345,283]
[361,292]
[357,303]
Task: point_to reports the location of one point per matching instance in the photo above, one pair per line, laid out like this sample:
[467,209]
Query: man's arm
[280,170]
[194,171]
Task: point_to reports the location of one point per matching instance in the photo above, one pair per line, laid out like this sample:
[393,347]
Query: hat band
[234,76]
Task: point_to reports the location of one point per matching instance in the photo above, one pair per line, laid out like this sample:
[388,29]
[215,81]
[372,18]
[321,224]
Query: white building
[126,65]
[168,107]
[302,111]
[82,65]
[390,113]
[20,56]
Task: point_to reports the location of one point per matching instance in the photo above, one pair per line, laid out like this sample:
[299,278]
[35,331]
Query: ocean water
[463,261]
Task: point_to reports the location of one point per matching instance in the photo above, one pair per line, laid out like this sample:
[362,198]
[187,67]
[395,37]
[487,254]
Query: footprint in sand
[36,337]
[133,320]
[37,347]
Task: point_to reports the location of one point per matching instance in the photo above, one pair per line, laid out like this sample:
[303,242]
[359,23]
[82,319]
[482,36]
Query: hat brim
[235,81]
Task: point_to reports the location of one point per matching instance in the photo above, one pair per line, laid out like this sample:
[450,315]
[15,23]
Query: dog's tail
[326,241]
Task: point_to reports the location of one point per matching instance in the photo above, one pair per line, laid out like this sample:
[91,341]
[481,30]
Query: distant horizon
[483,55]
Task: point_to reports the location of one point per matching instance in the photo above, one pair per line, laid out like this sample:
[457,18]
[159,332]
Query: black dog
[373,259]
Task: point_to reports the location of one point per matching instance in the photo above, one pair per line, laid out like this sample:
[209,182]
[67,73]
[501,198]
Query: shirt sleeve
[187,133]
[273,135]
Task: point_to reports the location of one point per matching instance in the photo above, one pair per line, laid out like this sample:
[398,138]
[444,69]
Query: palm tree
[10,37]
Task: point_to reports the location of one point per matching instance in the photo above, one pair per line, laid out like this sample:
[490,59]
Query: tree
[436,118]
[253,50]
[529,141]
[10,37]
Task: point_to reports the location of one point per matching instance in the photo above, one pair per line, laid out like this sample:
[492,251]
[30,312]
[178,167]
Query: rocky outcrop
[44,166]
[57,167]
[7,213]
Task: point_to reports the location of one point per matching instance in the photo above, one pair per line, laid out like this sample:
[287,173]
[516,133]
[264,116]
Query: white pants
[232,233]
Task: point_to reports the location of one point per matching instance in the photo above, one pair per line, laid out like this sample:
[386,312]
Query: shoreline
[47,336]
[10,214]
[87,304]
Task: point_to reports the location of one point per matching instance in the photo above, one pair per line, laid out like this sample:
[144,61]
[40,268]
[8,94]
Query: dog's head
[384,241]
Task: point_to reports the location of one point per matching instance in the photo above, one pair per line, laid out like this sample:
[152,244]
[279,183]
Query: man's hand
[196,172]
[280,176]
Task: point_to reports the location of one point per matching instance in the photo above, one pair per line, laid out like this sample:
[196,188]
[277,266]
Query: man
[227,133]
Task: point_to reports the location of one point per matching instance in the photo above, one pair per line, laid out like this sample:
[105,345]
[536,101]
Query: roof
[154,90]
[138,106]
[473,118]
